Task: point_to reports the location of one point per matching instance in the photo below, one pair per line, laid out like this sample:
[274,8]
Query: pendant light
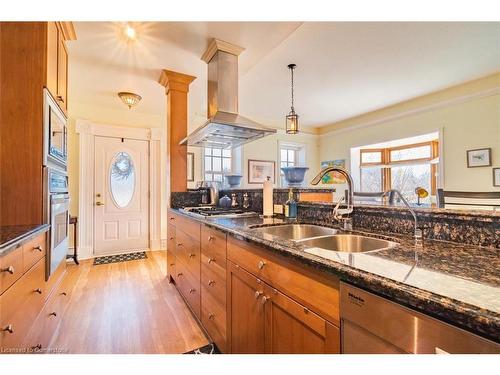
[129,98]
[292,119]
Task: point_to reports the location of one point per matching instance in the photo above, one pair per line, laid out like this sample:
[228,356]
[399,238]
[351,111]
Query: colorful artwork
[333,177]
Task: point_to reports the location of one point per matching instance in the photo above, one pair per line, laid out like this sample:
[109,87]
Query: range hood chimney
[224,128]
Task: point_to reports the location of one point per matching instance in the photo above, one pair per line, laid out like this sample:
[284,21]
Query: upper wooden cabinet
[57,60]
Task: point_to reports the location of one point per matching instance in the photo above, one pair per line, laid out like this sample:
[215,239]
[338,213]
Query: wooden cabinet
[11,268]
[171,258]
[52,57]
[62,73]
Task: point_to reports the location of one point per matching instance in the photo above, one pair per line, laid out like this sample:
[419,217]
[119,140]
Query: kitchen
[249,188]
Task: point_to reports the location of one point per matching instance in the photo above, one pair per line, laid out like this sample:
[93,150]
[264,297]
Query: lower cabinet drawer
[11,268]
[33,251]
[213,282]
[213,318]
[19,307]
[189,286]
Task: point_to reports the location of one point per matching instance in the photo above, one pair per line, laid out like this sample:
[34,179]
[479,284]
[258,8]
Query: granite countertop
[457,283]
[12,235]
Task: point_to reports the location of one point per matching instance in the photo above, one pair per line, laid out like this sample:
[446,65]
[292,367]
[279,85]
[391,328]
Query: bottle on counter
[291,206]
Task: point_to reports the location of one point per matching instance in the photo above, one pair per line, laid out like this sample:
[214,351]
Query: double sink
[316,236]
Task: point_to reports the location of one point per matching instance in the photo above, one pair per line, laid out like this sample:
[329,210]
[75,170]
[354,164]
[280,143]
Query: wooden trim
[220,45]
[175,81]
[68,30]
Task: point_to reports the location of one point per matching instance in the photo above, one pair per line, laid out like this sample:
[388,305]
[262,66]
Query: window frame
[222,172]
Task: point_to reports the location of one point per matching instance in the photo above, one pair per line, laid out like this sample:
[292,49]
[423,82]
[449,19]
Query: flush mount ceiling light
[292,119]
[129,98]
[130,32]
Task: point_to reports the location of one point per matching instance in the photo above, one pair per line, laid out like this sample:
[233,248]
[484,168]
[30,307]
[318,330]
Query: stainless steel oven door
[59,230]
[55,133]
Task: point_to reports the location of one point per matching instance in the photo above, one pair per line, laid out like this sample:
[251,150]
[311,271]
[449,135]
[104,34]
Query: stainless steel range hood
[224,128]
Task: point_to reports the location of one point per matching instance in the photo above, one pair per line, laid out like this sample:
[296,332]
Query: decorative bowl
[233,180]
[294,176]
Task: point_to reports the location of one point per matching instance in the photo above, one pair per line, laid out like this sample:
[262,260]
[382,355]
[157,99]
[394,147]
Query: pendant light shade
[129,98]
[292,119]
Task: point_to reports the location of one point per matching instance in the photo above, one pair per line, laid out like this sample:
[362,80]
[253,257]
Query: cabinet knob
[9,269]
[211,282]
[64,294]
[172,264]
[171,238]
[210,238]
[179,244]
[258,294]
[192,290]
[172,218]
[191,255]
[39,248]
[211,316]
[179,274]
[53,313]
[38,290]
[261,264]
[60,98]
[265,299]
[9,328]
[210,260]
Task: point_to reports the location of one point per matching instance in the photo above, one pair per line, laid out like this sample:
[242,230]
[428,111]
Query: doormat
[207,349]
[119,258]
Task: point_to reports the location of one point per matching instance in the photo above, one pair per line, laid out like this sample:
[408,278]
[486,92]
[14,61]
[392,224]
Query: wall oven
[55,133]
[58,217]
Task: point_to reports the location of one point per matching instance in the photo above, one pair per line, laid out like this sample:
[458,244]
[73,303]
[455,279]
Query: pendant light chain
[292,68]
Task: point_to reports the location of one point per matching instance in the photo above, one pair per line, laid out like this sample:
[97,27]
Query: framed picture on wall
[190,166]
[480,157]
[259,170]
[496,176]
[333,177]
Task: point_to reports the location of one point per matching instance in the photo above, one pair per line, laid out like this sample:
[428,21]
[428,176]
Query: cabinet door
[293,329]
[171,255]
[245,311]
[52,57]
[62,74]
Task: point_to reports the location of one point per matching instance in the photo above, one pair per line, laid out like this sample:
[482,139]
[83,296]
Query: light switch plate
[278,209]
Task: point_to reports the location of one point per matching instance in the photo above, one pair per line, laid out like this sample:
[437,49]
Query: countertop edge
[12,244]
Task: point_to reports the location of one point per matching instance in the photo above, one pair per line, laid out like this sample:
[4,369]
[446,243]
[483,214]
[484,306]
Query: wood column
[176,88]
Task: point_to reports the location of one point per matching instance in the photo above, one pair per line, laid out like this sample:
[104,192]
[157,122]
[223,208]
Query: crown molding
[216,45]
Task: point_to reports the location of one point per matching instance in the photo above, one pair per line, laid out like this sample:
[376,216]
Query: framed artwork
[480,157]
[333,177]
[496,176]
[190,166]
[258,170]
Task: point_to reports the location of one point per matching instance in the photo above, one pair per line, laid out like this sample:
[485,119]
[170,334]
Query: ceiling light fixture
[129,98]
[130,32]
[292,119]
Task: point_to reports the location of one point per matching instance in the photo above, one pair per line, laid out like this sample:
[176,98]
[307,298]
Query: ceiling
[343,69]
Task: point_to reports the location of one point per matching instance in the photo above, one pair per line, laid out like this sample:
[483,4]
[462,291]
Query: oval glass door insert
[122,179]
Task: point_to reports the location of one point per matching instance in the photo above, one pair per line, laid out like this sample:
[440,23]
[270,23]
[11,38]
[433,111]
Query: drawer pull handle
[9,329]
[210,238]
[211,282]
[171,238]
[172,218]
[211,316]
[37,347]
[180,244]
[258,294]
[39,248]
[38,290]
[261,264]
[191,255]
[191,291]
[210,260]
[53,313]
[9,269]
[64,294]
[60,98]
[265,299]
[179,274]
[172,264]
[306,310]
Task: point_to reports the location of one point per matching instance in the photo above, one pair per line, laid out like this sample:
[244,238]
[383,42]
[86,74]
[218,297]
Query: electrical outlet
[278,209]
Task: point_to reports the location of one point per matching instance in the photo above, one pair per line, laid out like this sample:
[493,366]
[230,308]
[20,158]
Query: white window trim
[301,154]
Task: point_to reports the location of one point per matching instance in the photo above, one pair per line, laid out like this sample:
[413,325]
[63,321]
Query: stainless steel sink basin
[348,243]
[296,232]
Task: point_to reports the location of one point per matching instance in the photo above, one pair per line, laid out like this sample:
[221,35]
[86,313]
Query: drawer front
[319,293]
[188,226]
[33,251]
[213,317]
[213,280]
[11,268]
[213,245]
[189,286]
[20,306]
[188,252]
[171,252]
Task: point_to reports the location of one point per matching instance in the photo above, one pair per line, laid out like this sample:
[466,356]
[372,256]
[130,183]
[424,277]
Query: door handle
[99,204]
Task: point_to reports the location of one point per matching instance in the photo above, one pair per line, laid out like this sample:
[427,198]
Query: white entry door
[121,206]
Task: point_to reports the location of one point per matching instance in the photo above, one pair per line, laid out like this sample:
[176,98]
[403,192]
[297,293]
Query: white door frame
[88,130]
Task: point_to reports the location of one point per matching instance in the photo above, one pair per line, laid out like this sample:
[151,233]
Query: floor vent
[207,349]
[119,258]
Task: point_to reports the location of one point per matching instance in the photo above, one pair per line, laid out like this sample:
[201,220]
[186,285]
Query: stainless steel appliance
[217,212]
[57,215]
[55,133]
[373,325]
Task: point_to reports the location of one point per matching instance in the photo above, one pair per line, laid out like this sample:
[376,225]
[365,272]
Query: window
[288,156]
[403,168]
[217,162]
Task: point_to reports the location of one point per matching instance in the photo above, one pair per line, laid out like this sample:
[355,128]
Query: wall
[469,121]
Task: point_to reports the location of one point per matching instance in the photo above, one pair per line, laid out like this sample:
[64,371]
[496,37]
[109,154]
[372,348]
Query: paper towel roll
[268,198]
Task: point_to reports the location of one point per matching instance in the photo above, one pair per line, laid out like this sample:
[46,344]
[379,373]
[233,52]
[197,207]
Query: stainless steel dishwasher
[371,324]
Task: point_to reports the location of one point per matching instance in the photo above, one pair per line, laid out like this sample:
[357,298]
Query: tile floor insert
[119,258]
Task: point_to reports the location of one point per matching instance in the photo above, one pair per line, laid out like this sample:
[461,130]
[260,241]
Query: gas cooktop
[218,212]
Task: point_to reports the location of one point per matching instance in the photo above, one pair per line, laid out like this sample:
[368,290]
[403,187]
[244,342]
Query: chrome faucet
[341,215]
[418,233]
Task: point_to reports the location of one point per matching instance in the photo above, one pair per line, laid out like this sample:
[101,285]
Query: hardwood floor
[126,307]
